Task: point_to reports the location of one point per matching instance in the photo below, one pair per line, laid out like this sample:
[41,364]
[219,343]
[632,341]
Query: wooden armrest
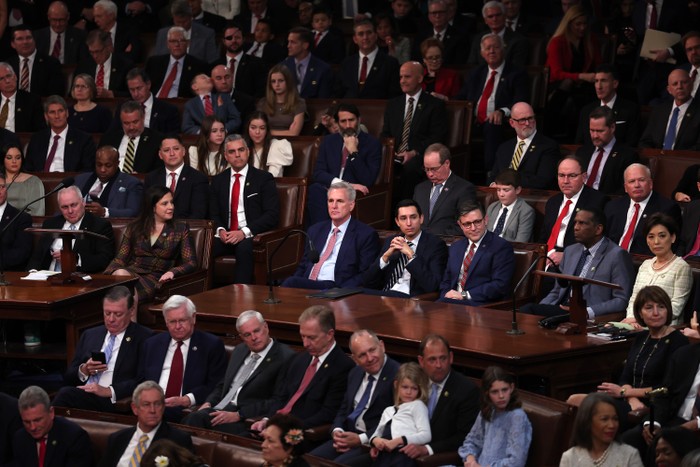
[123,405]
[318,433]
[440,458]
[635,417]
[187,284]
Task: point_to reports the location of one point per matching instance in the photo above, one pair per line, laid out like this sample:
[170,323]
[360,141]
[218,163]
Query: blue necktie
[433,199]
[108,354]
[432,400]
[501,222]
[362,404]
[671,132]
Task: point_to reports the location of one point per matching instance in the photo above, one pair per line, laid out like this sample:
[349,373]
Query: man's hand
[351,143]
[661,55]
[556,257]
[361,188]
[682,197]
[453,294]
[105,93]
[343,441]
[405,156]
[232,237]
[177,401]
[259,425]
[221,416]
[95,208]
[495,117]
[414,451]
[206,405]
[401,244]
[92,367]
[96,389]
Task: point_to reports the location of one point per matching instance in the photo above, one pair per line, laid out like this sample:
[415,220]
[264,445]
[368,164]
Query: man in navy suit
[314,78]
[148,404]
[109,192]
[108,68]
[47,440]
[186,363]
[348,246]
[71,40]
[25,113]
[413,261]
[315,402]
[43,72]
[254,194]
[159,115]
[95,384]
[370,383]
[205,101]
[16,243]
[480,267]
[189,186]
[350,155]
[254,370]
[202,43]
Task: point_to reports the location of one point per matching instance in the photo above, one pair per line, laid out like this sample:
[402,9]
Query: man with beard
[247,71]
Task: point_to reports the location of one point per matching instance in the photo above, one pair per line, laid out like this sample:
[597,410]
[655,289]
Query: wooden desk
[76,306]
[477,336]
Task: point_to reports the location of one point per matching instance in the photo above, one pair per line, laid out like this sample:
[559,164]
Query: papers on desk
[39,275]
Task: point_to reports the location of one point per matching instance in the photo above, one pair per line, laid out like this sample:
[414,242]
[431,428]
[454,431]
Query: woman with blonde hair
[282,104]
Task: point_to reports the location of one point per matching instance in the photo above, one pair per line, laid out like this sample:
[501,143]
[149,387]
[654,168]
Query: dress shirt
[461,269]
[263,353]
[607,150]
[403,285]
[415,97]
[434,187]
[630,214]
[681,113]
[360,422]
[370,61]
[569,217]
[240,212]
[528,142]
[491,103]
[508,214]
[113,33]
[237,61]
[12,104]
[176,84]
[52,42]
[58,242]
[301,67]
[327,272]
[686,410]
[148,110]
[258,47]
[57,163]
[441,386]
[167,363]
[586,266]
[96,186]
[611,103]
[107,69]
[177,171]
[106,376]
[125,460]
[697,79]
[322,358]
[122,149]
[2,209]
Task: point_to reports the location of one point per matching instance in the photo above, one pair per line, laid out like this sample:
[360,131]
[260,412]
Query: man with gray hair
[126,42]
[47,440]
[126,447]
[256,367]
[348,247]
[455,39]
[30,116]
[39,73]
[202,43]
[108,68]
[515,45]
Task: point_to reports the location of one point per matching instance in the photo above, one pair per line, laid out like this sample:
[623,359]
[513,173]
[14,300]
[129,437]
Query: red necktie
[326,254]
[235,193]
[255,49]
[465,265]
[693,75]
[696,246]
[308,376]
[177,369]
[56,52]
[552,242]
[485,96]
[232,67]
[208,109]
[52,153]
[42,452]
[317,39]
[100,79]
[344,158]
[595,168]
[173,181]
[654,16]
[168,84]
[627,239]
[363,71]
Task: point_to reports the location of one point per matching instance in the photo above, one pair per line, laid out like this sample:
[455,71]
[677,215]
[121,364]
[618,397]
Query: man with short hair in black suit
[515,46]
[24,110]
[313,76]
[108,68]
[222,80]
[59,39]
[159,115]
[38,73]
[248,72]
[329,42]
[455,40]
[125,42]
[257,10]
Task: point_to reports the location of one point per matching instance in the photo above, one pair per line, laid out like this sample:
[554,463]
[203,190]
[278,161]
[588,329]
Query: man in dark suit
[189,186]
[515,46]
[675,124]
[59,39]
[94,384]
[313,76]
[440,196]
[25,112]
[202,43]
[125,42]
[16,243]
[59,148]
[213,21]
[480,267]
[364,401]
[186,363]
[109,192]
[11,422]
[138,146]
[172,73]
[204,101]
[108,68]
[254,193]
[247,71]
[691,45]
[370,73]
[626,216]
[93,255]
[315,401]
[350,155]
[531,153]
[455,40]
[329,42]
[47,440]
[605,157]
[348,246]
[412,262]
[38,73]
[159,115]
[254,370]
[128,445]
[223,83]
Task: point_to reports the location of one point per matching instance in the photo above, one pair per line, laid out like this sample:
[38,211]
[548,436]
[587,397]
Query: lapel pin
[577,209]
[70,142]
[313,83]
[194,348]
[128,338]
[613,154]
[19,109]
[592,268]
[446,393]
[325,365]
[54,442]
[183,179]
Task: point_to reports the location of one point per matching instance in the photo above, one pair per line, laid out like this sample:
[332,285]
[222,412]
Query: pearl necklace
[634,369]
[601,460]
[663,265]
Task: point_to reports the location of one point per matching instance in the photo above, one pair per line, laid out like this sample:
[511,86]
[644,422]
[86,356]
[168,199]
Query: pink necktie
[308,376]
[326,254]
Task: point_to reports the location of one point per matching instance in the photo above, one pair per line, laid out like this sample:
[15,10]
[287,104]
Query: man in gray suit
[202,43]
[250,379]
[593,256]
[510,217]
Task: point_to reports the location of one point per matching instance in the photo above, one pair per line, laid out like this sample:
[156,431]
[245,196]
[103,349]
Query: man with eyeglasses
[63,42]
[159,115]
[479,267]
[515,46]
[247,388]
[531,153]
[104,368]
[248,72]
[201,42]
[186,363]
[108,69]
[455,40]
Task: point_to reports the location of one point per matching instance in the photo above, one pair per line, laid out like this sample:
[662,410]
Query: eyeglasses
[177,322]
[434,58]
[176,41]
[433,169]
[472,225]
[79,86]
[568,176]
[524,120]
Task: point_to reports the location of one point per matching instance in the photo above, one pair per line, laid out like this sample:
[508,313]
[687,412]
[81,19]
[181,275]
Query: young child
[329,43]
[502,432]
[517,223]
[406,422]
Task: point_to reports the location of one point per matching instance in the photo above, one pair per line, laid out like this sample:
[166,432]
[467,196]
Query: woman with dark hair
[283,442]
[208,155]
[389,39]
[665,269]
[284,107]
[595,439]
[672,444]
[85,114]
[154,246]
[266,152]
[164,452]
[22,187]
[440,82]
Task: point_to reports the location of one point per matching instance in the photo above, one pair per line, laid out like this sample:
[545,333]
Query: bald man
[71,41]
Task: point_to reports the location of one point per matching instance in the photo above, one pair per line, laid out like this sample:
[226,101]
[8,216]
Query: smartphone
[99,357]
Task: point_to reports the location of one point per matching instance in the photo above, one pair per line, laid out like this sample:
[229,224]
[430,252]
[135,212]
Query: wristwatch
[464,295]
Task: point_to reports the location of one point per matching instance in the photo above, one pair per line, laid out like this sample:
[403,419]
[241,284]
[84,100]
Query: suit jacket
[382,397]
[11,422]
[538,166]
[359,248]
[321,400]
[429,123]
[616,214]
[46,78]
[212,21]
[119,441]
[626,122]
[146,158]
[272,53]
[331,47]
[78,155]
[255,396]
[611,178]
[260,200]
[610,264]
[490,272]
[382,78]
[362,169]
[16,243]
[165,117]
[688,135]
[519,226]
[249,74]
[29,113]
[127,44]
[67,444]
[689,232]
[94,254]
[73,43]
[223,108]
[191,195]
[589,199]
[454,41]
[125,377]
[678,379]
[443,219]
[516,50]
[426,268]
[117,79]
[203,45]
[157,66]
[318,79]
[512,86]
[122,195]
[455,413]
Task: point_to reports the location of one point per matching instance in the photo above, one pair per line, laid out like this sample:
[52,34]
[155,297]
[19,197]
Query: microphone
[312,255]
[514,331]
